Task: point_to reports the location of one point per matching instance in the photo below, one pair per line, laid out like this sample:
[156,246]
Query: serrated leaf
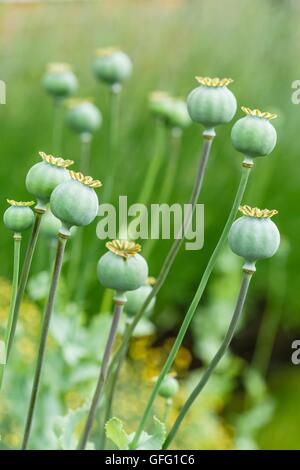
[65,427]
[114,430]
[153,441]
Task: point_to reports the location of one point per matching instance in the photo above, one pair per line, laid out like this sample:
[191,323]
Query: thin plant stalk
[102,376]
[191,311]
[155,164]
[113,142]
[216,359]
[58,121]
[113,379]
[166,188]
[44,335]
[85,152]
[168,407]
[272,315]
[15,281]
[24,276]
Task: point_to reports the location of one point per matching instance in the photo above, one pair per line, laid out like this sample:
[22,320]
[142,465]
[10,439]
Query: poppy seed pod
[136,299]
[19,216]
[122,268]
[160,104]
[112,66]
[254,236]
[254,135]
[212,103]
[59,80]
[50,225]
[177,115]
[43,177]
[75,202]
[169,387]
[83,117]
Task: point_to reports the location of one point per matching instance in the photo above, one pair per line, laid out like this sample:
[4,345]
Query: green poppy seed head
[136,299]
[74,202]
[122,268]
[112,66]
[59,80]
[44,177]
[254,236]
[254,135]
[83,117]
[19,216]
[169,387]
[212,103]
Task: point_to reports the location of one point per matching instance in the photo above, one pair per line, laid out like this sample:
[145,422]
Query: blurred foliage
[170,42]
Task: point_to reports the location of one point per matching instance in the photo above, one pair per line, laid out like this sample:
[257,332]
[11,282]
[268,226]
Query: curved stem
[216,359]
[44,335]
[24,277]
[102,376]
[191,311]
[58,121]
[15,281]
[113,379]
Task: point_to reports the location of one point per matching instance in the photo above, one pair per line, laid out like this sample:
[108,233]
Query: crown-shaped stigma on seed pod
[254,236]
[12,202]
[56,161]
[214,82]
[58,67]
[87,180]
[256,212]
[74,102]
[123,248]
[259,113]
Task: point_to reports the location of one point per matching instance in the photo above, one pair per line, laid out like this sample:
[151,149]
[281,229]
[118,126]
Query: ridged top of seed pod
[123,248]
[259,113]
[56,161]
[214,82]
[12,202]
[256,212]
[58,67]
[106,51]
[87,180]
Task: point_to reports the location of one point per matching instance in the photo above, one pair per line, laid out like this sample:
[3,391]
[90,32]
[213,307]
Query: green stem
[166,188]
[85,152]
[191,311]
[102,376]
[216,359]
[44,335]
[168,407]
[58,121]
[151,176]
[24,276]
[113,379]
[113,143]
[15,281]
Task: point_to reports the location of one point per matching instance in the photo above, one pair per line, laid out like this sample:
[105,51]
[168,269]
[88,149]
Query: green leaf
[153,441]
[65,428]
[115,432]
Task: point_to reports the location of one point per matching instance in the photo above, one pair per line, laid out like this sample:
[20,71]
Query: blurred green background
[254,42]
